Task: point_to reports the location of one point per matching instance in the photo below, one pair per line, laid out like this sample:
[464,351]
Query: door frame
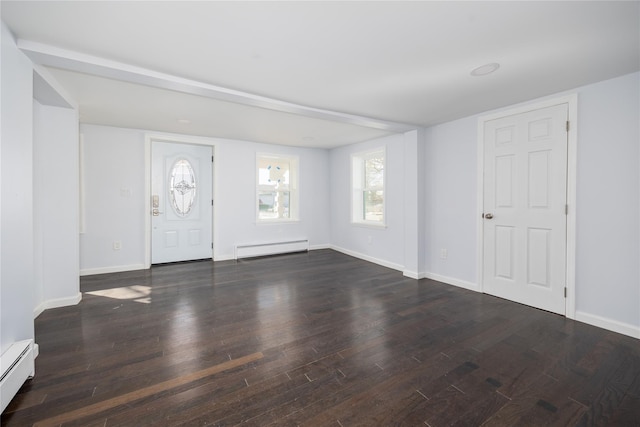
[175,139]
[572,103]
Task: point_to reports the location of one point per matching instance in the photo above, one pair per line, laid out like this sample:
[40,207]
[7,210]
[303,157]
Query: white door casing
[524,246]
[181,202]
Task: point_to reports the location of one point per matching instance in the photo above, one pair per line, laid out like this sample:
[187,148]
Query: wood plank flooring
[317,339]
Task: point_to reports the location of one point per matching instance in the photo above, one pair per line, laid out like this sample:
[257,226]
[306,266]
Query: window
[182,187]
[277,190]
[367,182]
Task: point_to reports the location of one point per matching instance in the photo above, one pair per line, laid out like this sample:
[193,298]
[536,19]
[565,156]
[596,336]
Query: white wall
[56,182]
[608,198]
[382,245]
[414,204]
[114,188]
[451,200]
[113,205]
[608,208]
[16,192]
[235,199]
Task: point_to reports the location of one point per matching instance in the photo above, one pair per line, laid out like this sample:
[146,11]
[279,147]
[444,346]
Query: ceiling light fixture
[483,70]
[184,121]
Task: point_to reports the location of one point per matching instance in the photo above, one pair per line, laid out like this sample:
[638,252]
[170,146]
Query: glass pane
[182,187]
[273,204]
[374,172]
[273,172]
[266,205]
[373,205]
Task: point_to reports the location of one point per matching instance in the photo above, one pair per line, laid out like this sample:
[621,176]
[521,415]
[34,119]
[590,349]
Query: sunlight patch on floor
[137,293]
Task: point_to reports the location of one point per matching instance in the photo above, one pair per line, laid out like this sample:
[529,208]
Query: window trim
[294,192]
[357,204]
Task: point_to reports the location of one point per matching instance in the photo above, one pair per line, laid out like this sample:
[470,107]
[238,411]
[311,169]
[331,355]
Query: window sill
[374,225]
[277,221]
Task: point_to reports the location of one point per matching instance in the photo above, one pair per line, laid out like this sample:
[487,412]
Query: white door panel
[525,193]
[181,202]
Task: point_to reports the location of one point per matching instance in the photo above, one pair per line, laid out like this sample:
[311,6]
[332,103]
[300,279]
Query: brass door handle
[155,212]
[488,216]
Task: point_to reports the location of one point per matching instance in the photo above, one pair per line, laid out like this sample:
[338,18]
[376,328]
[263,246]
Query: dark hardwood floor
[319,339]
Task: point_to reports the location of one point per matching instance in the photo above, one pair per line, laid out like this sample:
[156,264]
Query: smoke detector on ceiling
[483,70]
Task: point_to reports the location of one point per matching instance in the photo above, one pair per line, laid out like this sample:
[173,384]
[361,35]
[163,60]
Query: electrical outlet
[443,253]
[117,245]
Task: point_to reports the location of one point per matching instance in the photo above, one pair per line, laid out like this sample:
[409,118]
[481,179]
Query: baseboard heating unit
[274,248]
[16,366]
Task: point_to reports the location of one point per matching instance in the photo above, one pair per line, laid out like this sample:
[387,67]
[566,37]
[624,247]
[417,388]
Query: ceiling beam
[56,57]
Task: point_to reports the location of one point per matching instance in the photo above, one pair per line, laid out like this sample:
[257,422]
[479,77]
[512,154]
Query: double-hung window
[277,188]
[368,187]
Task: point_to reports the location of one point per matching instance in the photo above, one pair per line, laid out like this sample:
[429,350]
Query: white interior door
[525,196]
[181,202]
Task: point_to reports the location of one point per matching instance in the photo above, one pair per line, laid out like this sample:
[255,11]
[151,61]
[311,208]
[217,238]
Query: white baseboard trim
[113,269]
[369,258]
[414,274]
[36,350]
[608,324]
[55,303]
[453,281]
[318,247]
[38,310]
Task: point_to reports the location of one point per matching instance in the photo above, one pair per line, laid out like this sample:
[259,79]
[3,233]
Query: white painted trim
[609,324]
[361,158]
[112,269]
[369,258]
[82,223]
[57,302]
[147,200]
[38,310]
[52,56]
[572,185]
[318,247]
[149,137]
[294,189]
[414,274]
[453,281]
[57,90]
[480,207]
[572,148]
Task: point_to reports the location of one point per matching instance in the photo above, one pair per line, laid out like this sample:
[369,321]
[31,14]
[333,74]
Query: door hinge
[567,125]
[211,202]
[565,292]
[212,156]
[566,209]
[212,248]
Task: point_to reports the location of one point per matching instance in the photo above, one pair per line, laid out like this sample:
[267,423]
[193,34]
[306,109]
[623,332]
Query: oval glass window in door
[182,187]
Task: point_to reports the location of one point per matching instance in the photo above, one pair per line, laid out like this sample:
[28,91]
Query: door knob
[155,212]
[488,216]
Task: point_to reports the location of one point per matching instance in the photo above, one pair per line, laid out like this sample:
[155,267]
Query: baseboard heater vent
[16,366]
[274,248]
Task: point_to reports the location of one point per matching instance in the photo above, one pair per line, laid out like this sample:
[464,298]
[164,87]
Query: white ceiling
[318,74]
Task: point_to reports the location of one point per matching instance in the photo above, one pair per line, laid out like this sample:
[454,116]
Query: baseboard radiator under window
[273,248]
[16,366]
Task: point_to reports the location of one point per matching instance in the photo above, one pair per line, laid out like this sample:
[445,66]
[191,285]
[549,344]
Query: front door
[181,202]
[525,196]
